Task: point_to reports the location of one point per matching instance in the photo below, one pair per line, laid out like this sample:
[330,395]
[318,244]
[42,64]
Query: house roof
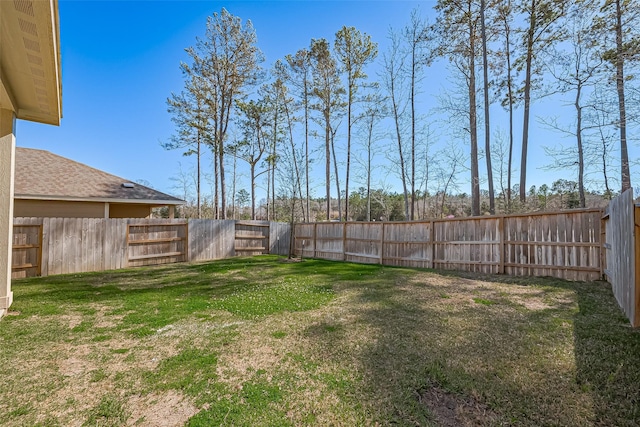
[46,176]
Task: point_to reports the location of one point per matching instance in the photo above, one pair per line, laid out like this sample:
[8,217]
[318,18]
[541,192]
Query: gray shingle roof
[42,174]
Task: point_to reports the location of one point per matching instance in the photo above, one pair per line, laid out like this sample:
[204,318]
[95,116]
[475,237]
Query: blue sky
[120,62]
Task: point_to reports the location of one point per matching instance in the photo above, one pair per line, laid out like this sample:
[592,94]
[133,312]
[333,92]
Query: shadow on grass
[570,361]
[607,356]
[606,351]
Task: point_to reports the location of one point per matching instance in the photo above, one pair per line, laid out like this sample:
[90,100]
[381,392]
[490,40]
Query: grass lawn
[266,342]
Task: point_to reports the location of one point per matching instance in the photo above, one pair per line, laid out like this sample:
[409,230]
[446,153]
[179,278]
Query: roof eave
[30,60]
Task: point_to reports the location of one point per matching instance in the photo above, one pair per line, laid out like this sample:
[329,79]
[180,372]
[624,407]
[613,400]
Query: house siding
[67,209]
[57,209]
[129,211]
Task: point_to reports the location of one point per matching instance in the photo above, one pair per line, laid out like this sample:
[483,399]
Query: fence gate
[27,251]
[252,238]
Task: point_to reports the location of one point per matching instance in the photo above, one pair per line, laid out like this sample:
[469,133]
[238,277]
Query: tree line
[319,102]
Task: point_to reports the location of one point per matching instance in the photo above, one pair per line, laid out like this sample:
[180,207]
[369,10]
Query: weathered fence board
[407,244]
[251,238]
[362,242]
[468,244]
[211,239]
[156,242]
[559,244]
[329,241]
[279,238]
[304,242]
[70,245]
[622,221]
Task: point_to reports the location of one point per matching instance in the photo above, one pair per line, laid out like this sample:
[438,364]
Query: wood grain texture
[621,256]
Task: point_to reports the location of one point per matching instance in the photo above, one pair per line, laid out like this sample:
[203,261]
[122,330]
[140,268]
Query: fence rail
[559,244]
[46,246]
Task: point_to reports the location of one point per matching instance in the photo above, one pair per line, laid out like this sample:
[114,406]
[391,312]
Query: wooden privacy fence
[560,244]
[622,224]
[46,246]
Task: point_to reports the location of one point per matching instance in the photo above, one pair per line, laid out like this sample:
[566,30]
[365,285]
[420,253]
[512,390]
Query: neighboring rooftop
[41,174]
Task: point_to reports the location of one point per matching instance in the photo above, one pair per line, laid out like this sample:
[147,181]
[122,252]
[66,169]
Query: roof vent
[127,184]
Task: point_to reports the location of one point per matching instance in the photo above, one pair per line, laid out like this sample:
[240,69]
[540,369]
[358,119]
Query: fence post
[44,262]
[502,248]
[432,237]
[636,237]
[187,252]
[603,243]
[40,242]
[344,240]
[315,239]
[382,244]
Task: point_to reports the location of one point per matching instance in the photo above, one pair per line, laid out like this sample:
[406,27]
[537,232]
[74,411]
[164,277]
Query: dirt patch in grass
[72,320]
[290,260]
[457,292]
[76,363]
[238,366]
[450,410]
[170,409]
[103,318]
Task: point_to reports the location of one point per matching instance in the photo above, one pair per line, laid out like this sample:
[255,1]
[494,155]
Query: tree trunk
[335,168]
[233,186]
[269,202]
[527,102]
[198,177]
[624,154]
[273,166]
[400,153]
[295,160]
[413,128]
[216,185]
[253,191]
[580,150]
[510,91]
[487,129]
[473,126]
[223,192]
[604,164]
[346,182]
[369,170]
[306,144]
[327,153]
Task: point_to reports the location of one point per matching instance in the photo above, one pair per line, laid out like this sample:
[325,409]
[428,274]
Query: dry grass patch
[170,409]
[450,410]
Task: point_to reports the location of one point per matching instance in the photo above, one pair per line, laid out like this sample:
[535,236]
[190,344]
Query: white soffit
[30,68]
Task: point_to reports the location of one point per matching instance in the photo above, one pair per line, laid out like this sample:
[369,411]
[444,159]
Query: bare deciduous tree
[354,51]
[226,61]
[327,90]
